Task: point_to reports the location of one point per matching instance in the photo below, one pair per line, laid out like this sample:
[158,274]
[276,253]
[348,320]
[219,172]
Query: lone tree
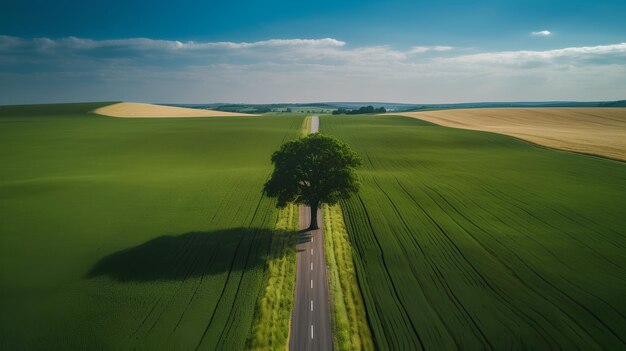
[313,170]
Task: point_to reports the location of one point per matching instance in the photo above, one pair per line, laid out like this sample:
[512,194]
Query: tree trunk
[313,225]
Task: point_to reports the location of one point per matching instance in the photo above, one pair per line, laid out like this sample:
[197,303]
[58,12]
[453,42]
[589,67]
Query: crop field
[598,131]
[121,233]
[140,110]
[474,240]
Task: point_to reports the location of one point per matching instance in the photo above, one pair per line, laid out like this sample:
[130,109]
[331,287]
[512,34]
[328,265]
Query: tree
[313,170]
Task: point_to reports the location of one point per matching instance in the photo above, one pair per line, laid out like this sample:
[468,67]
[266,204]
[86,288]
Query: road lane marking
[311,283]
[311,265]
[311,305]
[311,252]
[311,331]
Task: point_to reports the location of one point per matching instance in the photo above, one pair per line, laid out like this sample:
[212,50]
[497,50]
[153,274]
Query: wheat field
[597,131]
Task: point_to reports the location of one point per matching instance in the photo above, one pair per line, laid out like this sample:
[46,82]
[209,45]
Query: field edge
[541,138]
[351,330]
[270,326]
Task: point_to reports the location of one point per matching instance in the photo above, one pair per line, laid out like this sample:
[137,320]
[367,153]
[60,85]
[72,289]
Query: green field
[471,240]
[133,233]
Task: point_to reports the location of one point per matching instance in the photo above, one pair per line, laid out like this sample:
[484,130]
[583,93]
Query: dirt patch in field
[598,131]
[140,110]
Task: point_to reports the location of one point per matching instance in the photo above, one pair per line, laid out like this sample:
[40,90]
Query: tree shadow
[189,255]
[303,237]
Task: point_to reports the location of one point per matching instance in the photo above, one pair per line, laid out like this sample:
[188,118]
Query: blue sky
[287,51]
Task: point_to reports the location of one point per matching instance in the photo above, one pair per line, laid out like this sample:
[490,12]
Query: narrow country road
[315,124]
[310,321]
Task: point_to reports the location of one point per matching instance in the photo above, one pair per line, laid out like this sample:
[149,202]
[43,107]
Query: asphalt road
[310,321]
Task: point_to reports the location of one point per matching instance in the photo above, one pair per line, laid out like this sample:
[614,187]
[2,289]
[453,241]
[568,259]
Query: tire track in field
[396,298]
[178,258]
[486,223]
[222,293]
[504,298]
[576,302]
[209,262]
[582,289]
[478,331]
[549,225]
[500,295]
[234,306]
[186,271]
[431,264]
[185,268]
[591,228]
[230,270]
[224,202]
[537,293]
[571,217]
[551,253]
[383,336]
[175,294]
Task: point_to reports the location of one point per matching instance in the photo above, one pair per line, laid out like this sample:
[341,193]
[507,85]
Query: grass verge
[306,126]
[350,327]
[270,329]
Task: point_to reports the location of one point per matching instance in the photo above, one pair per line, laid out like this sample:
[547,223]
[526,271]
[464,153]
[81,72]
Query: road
[310,321]
[315,124]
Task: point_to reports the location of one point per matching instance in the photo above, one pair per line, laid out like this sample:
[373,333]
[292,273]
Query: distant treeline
[361,110]
[377,107]
[245,108]
[428,107]
[264,108]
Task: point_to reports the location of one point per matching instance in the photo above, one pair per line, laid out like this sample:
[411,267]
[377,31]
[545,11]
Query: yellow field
[139,110]
[598,131]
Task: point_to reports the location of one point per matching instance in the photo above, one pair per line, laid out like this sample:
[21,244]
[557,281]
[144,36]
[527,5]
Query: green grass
[133,233]
[270,329]
[306,126]
[474,240]
[350,328]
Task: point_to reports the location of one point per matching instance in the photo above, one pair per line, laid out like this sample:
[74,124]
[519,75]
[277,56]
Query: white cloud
[143,69]
[571,54]
[541,33]
[422,49]
[145,43]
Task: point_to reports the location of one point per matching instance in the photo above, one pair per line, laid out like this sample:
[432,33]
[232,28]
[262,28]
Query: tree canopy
[313,170]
